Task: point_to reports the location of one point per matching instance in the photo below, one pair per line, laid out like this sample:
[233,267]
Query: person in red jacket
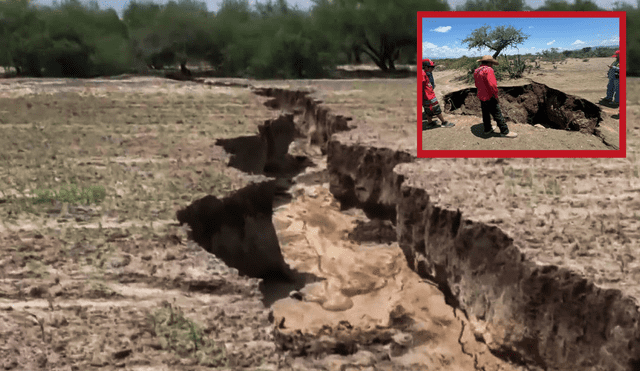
[429,100]
[488,94]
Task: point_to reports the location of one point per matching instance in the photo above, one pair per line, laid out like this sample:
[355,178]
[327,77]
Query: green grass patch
[71,194]
[185,337]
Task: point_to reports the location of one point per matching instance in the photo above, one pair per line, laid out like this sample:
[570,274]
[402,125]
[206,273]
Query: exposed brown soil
[501,237]
[534,104]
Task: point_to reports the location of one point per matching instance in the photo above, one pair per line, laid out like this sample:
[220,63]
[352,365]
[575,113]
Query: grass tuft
[185,337]
[71,194]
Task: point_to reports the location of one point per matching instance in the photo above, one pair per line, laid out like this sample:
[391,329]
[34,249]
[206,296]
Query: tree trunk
[376,56]
[388,53]
[495,55]
[184,70]
[356,54]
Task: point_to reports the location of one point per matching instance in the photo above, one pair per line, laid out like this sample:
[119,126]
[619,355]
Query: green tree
[175,32]
[585,5]
[493,5]
[497,40]
[20,25]
[379,28]
[68,39]
[633,42]
[139,15]
[272,41]
[236,35]
[562,5]
[555,5]
[85,40]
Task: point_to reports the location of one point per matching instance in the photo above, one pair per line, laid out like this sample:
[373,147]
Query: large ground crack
[533,104]
[476,266]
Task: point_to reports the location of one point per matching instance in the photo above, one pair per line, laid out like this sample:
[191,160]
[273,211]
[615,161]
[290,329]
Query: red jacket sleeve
[424,86]
[491,82]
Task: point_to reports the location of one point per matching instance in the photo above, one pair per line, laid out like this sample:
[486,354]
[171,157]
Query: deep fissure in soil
[532,104]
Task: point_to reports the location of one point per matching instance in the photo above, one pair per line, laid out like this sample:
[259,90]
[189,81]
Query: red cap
[617,54]
[428,62]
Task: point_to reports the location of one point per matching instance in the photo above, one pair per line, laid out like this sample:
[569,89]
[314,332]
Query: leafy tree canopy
[380,28]
[497,40]
[494,5]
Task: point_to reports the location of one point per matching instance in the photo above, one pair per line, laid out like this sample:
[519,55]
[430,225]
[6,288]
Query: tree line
[267,40]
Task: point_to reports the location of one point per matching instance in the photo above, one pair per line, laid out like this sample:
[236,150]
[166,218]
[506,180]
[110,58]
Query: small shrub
[514,67]
[553,187]
[183,336]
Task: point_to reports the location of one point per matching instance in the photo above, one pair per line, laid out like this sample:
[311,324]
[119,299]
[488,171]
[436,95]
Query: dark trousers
[492,108]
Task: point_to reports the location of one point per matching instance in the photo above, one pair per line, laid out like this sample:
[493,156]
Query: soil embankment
[540,315]
[366,308]
[534,104]
[548,316]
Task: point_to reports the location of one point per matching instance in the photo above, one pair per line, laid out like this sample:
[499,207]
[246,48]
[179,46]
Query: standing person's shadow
[478,131]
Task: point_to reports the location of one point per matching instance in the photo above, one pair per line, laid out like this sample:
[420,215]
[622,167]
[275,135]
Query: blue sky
[212,5]
[442,37]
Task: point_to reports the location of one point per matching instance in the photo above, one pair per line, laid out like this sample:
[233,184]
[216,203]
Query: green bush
[512,67]
[185,337]
[71,194]
[268,39]
[286,55]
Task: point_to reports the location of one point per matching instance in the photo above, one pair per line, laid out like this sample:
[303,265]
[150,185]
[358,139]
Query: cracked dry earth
[86,287]
[369,300]
[81,286]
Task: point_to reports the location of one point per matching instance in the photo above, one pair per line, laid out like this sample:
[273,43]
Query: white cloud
[578,42]
[433,51]
[428,45]
[613,40]
[551,42]
[530,26]
[442,29]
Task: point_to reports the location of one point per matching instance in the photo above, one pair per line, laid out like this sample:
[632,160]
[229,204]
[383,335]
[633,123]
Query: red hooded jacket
[428,95]
[485,82]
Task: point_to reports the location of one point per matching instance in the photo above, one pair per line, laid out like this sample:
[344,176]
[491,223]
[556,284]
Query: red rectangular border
[622,152]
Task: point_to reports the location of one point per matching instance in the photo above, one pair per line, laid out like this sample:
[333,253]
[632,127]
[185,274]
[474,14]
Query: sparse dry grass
[131,154]
[90,178]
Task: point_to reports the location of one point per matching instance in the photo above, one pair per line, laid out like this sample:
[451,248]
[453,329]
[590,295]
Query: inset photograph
[511,84]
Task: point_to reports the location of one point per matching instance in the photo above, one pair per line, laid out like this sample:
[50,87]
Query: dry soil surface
[118,285]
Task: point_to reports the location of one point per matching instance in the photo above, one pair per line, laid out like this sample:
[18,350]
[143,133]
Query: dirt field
[117,284]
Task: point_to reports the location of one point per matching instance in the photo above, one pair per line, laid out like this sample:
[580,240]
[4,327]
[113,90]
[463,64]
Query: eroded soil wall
[552,317]
[317,122]
[363,177]
[267,151]
[546,317]
[533,104]
[238,229]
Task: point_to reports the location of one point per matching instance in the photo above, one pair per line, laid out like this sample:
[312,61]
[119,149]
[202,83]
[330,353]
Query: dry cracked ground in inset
[116,283]
[585,80]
